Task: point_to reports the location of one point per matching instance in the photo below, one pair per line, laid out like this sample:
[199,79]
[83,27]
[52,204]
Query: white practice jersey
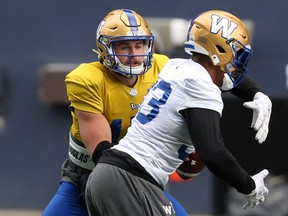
[158,138]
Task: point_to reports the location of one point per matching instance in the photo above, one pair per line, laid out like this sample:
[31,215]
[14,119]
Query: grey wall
[35,32]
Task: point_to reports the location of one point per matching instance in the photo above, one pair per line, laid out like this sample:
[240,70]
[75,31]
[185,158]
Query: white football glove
[262,107]
[259,193]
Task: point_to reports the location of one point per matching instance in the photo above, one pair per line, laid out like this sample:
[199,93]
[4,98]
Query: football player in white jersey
[180,114]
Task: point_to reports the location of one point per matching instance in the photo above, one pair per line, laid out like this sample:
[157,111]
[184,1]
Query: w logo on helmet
[223,23]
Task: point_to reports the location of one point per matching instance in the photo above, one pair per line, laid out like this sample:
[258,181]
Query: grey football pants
[112,191]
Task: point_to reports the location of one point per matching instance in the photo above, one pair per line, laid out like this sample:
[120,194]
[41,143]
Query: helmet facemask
[237,68]
[113,62]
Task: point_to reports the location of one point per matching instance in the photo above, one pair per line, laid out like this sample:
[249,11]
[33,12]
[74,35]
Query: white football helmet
[121,25]
[224,38]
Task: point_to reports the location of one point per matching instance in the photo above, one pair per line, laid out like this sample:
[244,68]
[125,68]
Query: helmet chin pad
[129,70]
[115,64]
[227,83]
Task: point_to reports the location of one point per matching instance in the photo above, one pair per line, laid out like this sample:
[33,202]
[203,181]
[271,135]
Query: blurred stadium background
[42,40]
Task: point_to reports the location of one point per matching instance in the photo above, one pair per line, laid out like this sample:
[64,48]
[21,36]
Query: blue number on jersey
[116,127]
[154,103]
[182,154]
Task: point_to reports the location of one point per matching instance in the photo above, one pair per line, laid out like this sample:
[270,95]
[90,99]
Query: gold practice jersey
[92,88]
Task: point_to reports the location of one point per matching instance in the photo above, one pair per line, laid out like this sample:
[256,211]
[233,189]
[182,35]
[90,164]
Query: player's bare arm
[94,128]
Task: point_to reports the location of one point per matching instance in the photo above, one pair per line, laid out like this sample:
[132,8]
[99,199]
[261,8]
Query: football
[190,168]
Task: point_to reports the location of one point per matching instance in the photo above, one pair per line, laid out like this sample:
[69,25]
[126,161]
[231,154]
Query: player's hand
[259,193]
[262,107]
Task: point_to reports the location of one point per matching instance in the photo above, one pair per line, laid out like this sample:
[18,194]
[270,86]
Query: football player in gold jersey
[105,96]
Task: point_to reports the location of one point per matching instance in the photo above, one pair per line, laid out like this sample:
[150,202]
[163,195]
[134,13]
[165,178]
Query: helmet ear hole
[220,49]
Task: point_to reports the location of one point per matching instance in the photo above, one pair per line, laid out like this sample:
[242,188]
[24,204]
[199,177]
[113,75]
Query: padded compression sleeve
[99,149]
[204,129]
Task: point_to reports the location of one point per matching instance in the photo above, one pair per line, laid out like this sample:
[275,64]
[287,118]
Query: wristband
[99,149]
